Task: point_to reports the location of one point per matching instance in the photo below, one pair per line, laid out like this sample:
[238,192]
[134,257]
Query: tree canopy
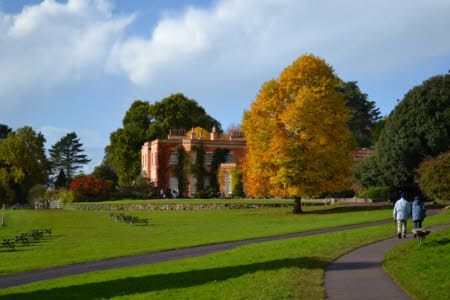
[144,122]
[363,113]
[4,130]
[434,177]
[418,127]
[298,140]
[67,154]
[23,163]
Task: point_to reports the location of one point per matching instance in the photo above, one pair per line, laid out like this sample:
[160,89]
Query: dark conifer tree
[61,180]
[67,154]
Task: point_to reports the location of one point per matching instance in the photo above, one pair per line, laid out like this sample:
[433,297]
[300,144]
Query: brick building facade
[159,156]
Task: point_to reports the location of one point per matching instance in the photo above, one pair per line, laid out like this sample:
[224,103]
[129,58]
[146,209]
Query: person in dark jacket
[418,212]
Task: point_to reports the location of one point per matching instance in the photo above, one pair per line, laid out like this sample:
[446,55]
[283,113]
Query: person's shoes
[399,235]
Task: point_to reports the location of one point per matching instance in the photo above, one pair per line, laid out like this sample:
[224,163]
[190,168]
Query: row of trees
[304,124]
[24,162]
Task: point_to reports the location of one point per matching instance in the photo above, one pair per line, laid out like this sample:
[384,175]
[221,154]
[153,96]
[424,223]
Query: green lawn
[423,270]
[287,269]
[90,235]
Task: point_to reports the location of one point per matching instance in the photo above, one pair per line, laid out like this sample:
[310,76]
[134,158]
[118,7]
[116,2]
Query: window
[208,158]
[173,183]
[193,185]
[229,158]
[173,158]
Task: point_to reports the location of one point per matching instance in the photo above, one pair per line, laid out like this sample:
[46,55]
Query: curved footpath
[162,256]
[359,274]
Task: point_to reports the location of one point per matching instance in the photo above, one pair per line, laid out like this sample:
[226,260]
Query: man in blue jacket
[401,213]
[418,212]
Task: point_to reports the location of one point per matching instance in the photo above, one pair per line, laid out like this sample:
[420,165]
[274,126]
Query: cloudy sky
[77,65]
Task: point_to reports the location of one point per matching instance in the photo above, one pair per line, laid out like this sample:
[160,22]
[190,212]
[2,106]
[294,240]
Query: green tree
[144,122]
[418,127]
[4,130]
[67,154]
[377,130]
[23,163]
[179,112]
[237,186]
[363,113]
[219,157]
[106,171]
[61,180]
[297,132]
[433,176]
[124,150]
[367,173]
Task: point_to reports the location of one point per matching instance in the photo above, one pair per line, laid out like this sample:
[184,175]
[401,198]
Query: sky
[77,65]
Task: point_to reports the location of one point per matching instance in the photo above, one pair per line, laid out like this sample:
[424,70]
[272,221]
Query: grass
[286,269]
[81,236]
[422,270]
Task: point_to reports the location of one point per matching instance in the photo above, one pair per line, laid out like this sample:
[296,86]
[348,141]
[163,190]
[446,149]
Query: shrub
[237,187]
[433,176]
[376,193]
[143,188]
[63,195]
[90,188]
[36,193]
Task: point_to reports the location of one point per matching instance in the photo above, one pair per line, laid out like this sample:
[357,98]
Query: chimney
[214,135]
[192,135]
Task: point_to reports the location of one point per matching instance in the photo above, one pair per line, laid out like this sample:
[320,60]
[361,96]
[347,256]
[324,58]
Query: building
[158,157]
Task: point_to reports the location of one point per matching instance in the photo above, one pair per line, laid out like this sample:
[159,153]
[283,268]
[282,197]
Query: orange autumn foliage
[298,140]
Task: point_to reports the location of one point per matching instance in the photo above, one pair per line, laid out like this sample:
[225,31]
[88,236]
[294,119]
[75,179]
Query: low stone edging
[172,206]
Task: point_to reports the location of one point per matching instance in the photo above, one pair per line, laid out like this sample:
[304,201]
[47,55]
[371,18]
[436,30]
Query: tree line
[25,166]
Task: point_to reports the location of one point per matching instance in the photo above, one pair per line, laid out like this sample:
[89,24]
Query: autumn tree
[433,176]
[198,133]
[298,140]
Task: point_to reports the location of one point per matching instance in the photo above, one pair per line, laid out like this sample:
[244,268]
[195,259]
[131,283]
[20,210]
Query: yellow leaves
[298,141]
[198,133]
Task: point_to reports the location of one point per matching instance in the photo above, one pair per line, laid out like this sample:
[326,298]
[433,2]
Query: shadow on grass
[159,282]
[345,209]
[437,243]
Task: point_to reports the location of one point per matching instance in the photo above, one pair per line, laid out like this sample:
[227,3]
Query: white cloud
[244,37]
[52,42]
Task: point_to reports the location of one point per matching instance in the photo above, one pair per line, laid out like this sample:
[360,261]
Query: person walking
[418,212]
[401,213]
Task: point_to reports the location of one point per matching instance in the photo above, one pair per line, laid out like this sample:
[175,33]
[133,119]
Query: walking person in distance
[401,213]
[418,213]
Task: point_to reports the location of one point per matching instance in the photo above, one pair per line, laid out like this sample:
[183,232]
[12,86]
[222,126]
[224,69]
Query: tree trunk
[297,205]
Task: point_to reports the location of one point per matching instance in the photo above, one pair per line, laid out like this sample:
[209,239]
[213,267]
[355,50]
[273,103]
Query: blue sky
[77,65]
